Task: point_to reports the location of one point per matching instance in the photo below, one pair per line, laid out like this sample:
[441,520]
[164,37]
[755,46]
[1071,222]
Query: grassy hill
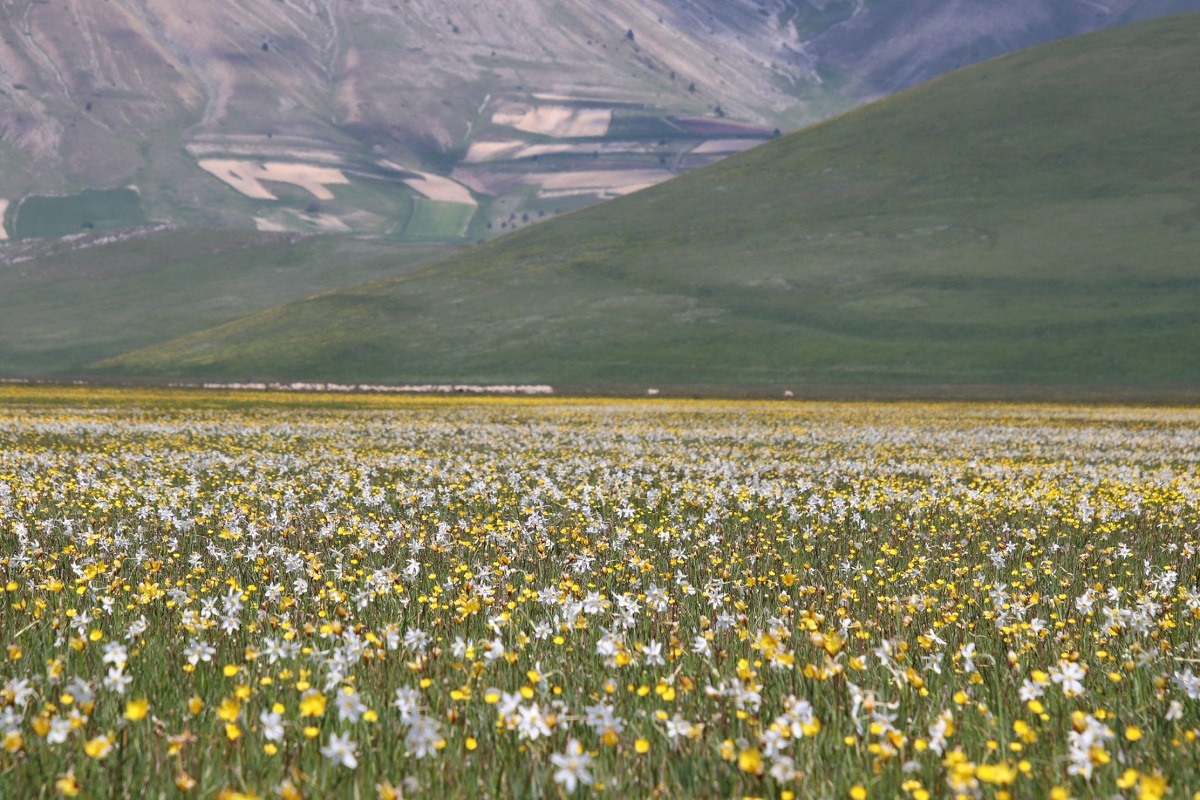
[1030,220]
[66,303]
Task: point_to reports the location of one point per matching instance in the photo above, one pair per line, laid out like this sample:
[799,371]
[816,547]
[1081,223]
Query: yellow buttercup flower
[67,785]
[750,761]
[229,709]
[312,704]
[13,741]
[136,710]
[98,747]
[1001,774]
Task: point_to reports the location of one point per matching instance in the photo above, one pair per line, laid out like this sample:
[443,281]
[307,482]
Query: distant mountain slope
[897,45]
[67,302]
[1035,219]
[325,116]
[442,119]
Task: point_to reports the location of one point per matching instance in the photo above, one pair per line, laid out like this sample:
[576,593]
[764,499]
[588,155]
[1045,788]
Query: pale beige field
[444,190]
[560,122]
[603,182]
[246,177]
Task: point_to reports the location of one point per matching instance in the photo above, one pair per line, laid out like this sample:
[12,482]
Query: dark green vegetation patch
[432,220]
[90,210]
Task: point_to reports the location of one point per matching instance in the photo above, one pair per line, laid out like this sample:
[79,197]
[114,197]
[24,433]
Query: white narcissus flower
[531,723]
[653,653]
[424,737]
[408,703]
[115,654]
[341,750]
[349,706]
[1071,676]
[1188,682]
[272,725]
[60,729]
[572,767]
[116,680]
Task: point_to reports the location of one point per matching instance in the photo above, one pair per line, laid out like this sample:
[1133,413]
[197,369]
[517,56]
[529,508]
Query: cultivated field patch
[722,146]
[481,152]
[561,122]
[600,182]
[432,219]
[260,148]
[247,176]
[90,210]
[441,189]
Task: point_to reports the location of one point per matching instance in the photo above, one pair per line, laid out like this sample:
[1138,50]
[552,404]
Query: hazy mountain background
[1030,221]
[168,171]
[442,119]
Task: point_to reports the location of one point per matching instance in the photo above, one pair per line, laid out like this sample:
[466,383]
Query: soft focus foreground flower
[998,774]
[67,785]
[572,766]
[135,710]
[312,704]
[13,741]
[98,747]
[340,750]
[750,761]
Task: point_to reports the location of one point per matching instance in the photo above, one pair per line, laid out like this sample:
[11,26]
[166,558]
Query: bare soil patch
[600,182]
[481,152]
[246,177]
[560,122]
[444,190]
[725,146]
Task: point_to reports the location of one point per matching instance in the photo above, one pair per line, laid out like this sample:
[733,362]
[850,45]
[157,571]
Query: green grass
[90,210]
[1031,220]
[72,305]
[434,220]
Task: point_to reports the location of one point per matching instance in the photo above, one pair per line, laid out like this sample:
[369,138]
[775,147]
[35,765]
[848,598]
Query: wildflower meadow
[238,594]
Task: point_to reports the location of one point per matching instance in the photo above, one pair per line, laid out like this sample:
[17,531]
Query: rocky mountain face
[895,45]
[441,119]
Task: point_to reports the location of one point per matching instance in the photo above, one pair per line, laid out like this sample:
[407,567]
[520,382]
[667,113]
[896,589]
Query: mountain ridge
[1029,220]
[285,115]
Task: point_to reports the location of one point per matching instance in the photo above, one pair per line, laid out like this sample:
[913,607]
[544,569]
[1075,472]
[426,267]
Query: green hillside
[64,304]
[1031,220]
